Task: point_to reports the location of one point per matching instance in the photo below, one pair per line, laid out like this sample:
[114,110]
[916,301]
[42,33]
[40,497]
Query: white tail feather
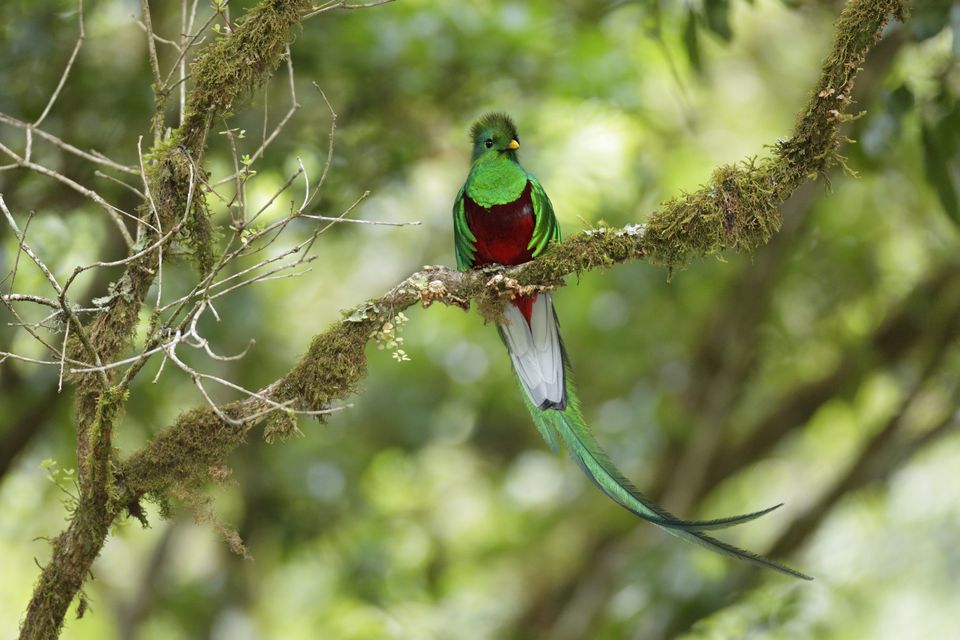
[536,353]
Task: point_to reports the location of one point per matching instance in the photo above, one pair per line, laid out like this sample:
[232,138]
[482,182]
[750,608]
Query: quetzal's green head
[494,136]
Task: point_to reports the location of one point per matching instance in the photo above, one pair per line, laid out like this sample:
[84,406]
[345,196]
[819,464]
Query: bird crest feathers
[494,120]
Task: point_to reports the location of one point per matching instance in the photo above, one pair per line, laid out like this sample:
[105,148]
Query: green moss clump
[332,367]
[180,456]
[280,426]
[170,179]
[737,209]
[231,67]
[100,453]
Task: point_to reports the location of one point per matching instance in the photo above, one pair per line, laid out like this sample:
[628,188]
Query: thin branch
[63,356]
[147,25]
[16,261]
[159,98]
[25,248]
[154,35]
[29,328]
[183,60]
[356,221]
[240,177]
[61,293]
[343,4]
[4,355]
[268,140]
[330,139]
[93,156]
[276,195]
[23,297]
[184,48]
[123,184]
[66,71]
[111,210]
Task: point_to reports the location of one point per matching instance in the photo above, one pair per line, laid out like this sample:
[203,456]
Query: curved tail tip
[559,405]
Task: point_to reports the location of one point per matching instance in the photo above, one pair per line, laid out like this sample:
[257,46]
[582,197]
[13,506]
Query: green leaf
[717,14]
[900,101]
[882,128]
[928,18]
[691,41]
[362,312]
[941,156]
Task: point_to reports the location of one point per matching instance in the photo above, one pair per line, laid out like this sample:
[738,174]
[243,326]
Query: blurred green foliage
[431,509]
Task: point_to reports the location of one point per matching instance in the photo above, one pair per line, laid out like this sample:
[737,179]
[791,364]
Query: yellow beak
[513,145]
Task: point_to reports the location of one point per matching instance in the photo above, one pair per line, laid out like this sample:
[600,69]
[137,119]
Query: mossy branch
[226,71]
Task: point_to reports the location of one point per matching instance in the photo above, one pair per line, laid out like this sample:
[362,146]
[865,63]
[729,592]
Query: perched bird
[503,216]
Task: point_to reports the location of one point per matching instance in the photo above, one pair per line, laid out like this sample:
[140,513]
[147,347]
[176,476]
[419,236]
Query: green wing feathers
[462,237]
[546,229]
[568,426]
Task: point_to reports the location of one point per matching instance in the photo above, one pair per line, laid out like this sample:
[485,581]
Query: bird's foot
[436,291]
[511,288]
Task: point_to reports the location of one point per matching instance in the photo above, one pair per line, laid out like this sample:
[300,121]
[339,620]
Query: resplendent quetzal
[503,216]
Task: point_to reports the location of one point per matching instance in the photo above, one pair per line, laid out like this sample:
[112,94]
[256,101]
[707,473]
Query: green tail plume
[569,427]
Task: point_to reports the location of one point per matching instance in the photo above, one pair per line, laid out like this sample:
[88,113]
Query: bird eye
[488,143]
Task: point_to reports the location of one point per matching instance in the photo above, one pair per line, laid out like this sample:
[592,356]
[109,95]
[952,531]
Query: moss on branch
[232,67]
[180,456]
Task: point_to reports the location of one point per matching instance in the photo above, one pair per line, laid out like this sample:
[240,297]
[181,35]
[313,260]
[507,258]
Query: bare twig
[147,25]
[64,305]
[23,297]
[16,261]
[330,139]
[4,355]
[185,47]
[343,4]
[112,211]
[93,156]
[276,195]
[63,356]
[268,140]
[240,177]
[25,248]
[123,184]
[29,328]
[337,219]
[154,35]
[66,71]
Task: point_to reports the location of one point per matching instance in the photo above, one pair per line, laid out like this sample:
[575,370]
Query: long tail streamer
[568,426]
